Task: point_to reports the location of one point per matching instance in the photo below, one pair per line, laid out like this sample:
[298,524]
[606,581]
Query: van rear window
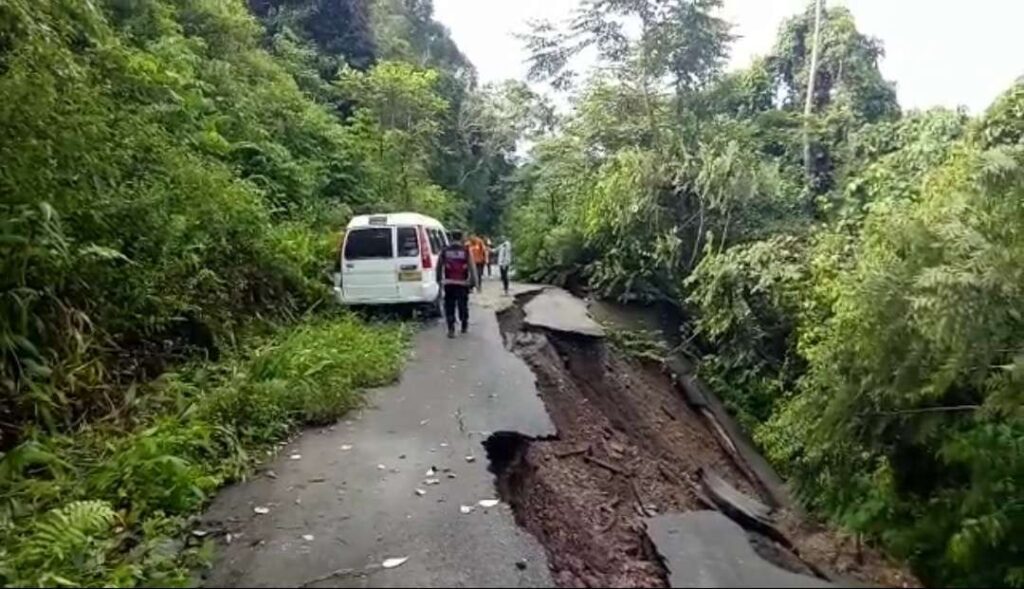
[366,244]
[408,242]
[435,240]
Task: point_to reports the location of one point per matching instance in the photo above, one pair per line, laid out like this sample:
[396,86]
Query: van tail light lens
[425,249]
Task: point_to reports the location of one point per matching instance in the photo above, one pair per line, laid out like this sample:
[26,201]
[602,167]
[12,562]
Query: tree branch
[949,409]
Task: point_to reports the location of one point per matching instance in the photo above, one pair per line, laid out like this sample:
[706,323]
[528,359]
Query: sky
[938,52]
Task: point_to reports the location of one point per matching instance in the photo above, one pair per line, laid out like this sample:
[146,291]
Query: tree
[811,77]
[396,120]
[848,89]
[851,271]
[338,28]
[679,40]
[492,125]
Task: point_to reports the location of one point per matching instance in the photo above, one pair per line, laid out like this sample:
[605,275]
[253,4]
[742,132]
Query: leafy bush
[748,298]
[174,177]
[916,374]
[151,151]
[853,274]
[72,506]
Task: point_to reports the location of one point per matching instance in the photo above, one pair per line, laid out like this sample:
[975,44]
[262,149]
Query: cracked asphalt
[350,502]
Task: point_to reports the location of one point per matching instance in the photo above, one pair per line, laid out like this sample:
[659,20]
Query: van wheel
[437,307]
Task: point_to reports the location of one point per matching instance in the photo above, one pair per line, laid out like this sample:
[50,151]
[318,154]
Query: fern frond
[66,529]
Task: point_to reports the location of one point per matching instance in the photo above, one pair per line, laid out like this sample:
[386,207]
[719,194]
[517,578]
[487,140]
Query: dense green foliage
[175,174]
[100,507]
[172,168]
[862,317]
[159,172]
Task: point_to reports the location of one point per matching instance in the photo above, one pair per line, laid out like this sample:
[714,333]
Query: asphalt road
[707,549]
[339,502]
[349,502]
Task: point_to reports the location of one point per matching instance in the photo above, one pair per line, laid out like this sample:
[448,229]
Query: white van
[391,259]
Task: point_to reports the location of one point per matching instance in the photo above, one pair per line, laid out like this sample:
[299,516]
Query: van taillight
[425,248]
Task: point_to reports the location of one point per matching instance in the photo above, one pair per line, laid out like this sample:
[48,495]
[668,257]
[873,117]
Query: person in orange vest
[478,250]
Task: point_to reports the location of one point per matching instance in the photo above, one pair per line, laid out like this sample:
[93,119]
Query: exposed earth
[526,453]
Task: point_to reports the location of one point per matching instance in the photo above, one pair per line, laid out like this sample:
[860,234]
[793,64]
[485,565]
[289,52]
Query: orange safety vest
[478,250]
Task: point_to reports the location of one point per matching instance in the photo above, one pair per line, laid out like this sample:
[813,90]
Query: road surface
[402,481]
[349,501]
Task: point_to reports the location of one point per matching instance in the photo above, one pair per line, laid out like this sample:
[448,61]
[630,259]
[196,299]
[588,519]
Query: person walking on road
[504,261]
[478,250]
[457,275]
[490,256]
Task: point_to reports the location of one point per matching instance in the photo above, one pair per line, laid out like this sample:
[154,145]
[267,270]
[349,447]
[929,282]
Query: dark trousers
[456,295]
[480,271]
[504,277]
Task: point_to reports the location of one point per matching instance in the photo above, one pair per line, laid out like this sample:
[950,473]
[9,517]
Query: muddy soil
[628,447]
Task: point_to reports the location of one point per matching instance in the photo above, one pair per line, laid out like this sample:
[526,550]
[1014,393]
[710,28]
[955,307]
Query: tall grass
[104,505]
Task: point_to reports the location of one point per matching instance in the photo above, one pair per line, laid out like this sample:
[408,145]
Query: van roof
[392,219]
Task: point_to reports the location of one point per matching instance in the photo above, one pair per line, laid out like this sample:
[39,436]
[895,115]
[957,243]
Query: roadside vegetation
[852,275]
[175,175]
[106,504]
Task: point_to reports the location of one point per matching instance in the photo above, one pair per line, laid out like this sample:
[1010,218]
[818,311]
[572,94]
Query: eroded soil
[628,447]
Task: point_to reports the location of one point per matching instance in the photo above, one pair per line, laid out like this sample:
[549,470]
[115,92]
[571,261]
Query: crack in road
[628,448]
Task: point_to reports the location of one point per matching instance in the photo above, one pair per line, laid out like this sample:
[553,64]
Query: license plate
[410,276]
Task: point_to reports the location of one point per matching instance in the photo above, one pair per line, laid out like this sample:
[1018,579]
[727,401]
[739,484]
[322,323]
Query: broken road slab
[361,515]
[557,310]
[729,499]
[707,549]
[493,299]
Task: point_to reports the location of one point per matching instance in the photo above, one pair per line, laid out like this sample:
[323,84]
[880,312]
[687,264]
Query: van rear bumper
[429,295]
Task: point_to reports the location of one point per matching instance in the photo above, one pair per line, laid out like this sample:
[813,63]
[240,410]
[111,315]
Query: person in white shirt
[504,261]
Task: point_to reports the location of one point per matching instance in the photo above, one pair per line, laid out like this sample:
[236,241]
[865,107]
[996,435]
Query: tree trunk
[809,104]
[645,20]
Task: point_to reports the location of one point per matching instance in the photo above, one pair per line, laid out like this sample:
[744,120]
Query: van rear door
[368,265]
[410,262]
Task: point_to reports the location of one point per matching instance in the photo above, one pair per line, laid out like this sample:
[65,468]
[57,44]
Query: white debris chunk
[432,482]
[261,510]
[307,537]
[296,457]
[431,471]
[420,492]
[465,508]
[381,467]
[346,447]
[485,503]
[470,458]
[394,562]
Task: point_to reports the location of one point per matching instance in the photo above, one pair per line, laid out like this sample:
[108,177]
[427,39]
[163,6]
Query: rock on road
[335,510]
